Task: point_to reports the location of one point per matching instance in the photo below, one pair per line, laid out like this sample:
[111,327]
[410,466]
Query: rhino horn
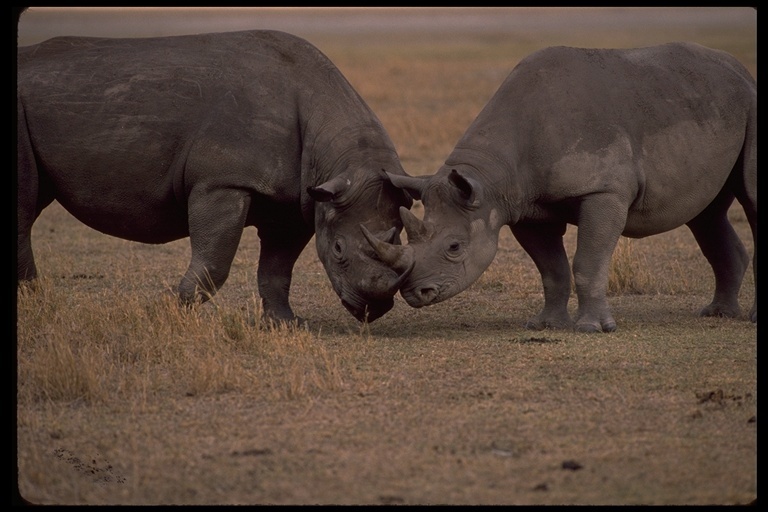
[414,185]
[389,236]
[417,230]
[398,257]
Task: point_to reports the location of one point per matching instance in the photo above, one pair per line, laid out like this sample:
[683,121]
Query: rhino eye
[454,250]
[338,248]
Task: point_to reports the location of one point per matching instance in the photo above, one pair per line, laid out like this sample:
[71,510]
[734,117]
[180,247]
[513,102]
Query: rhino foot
[607,324]
[591,327]
[724,310]
[277,312]
[272,321]
[28,285]
[541,322]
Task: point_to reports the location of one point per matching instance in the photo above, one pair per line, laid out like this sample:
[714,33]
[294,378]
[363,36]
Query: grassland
[122,398]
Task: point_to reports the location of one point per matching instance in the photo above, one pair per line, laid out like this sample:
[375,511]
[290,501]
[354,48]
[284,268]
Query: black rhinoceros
[157,139]
[629,142]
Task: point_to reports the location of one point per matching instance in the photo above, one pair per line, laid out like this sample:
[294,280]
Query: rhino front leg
[725,253]
[602,218]
[280,248]
[216,221]
[544,244]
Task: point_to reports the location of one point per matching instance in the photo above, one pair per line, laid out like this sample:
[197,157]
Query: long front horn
[398,257]
[416,229]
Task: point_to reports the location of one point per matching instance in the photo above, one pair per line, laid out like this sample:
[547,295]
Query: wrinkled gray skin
[157,139]
[618,142]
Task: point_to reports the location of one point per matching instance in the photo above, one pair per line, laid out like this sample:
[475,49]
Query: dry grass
[125,398]
[131,346]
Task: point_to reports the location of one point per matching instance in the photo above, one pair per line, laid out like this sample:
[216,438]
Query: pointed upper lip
[371,311]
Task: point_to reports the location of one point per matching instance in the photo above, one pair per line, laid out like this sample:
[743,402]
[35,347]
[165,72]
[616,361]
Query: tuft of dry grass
[99,351]
[628,274]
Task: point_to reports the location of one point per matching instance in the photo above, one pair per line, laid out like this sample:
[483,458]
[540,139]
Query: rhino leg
[746,193]
[750,208]
[725,253]
[26,215]
[216,221]
[602,218]
[34,194]
[28,186]
[280,248]
[544,244]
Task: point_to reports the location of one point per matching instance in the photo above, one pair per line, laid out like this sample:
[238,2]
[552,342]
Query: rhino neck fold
[351,149]
[353,142]
[502,187]
[335,128]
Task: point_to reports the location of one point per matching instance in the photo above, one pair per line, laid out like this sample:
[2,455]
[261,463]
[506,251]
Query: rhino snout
[420,296]
[427,294]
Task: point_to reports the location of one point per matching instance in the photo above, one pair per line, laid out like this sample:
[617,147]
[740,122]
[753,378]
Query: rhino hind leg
[747,196]
[28,185]
[725,253]
[25,259]
[746,193]
[544,244]
[751,211]
[34,194]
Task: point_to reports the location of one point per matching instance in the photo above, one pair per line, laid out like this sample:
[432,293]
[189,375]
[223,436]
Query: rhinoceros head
[455,242]
[357,228]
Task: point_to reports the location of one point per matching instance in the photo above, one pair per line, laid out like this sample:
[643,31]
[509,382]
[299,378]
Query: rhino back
[567,121]
[124,128]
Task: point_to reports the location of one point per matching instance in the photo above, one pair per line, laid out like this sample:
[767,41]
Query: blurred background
[39,23]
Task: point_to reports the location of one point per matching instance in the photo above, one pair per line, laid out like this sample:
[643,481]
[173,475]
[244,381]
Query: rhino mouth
[370,311]
[378,297]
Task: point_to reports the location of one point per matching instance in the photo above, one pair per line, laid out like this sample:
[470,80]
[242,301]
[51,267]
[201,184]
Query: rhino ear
[329,190]
[414,185]
[469,189]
